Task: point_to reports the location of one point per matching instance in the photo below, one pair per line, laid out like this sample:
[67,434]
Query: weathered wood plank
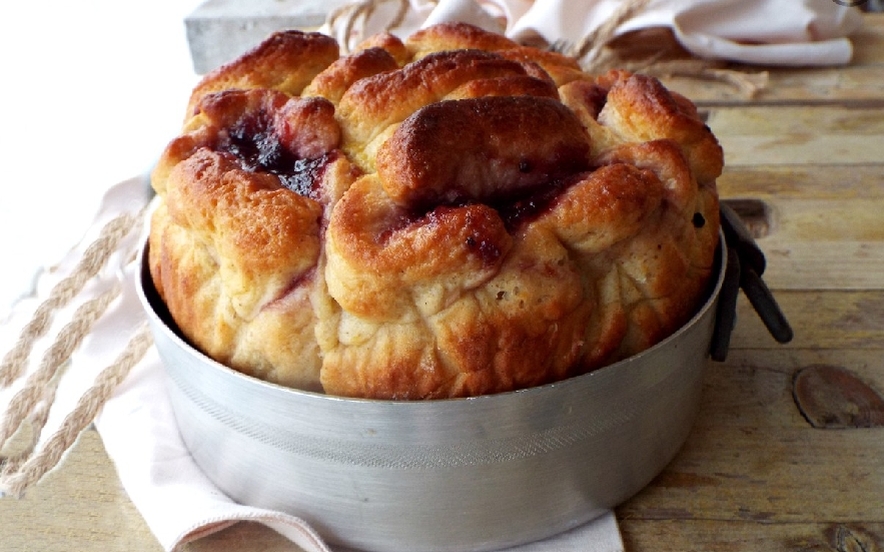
[835,264]
[868,42]
[78,506]
[800,147]
[754,387]
[819,181]
[821,320]
[821,243]
[855,84]
[753,457]
[772,121]
[821,226]
[749,536]
[824,223]
[768,135]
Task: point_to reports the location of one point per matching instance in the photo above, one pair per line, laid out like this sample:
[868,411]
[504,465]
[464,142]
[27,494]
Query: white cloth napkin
[137,425]
[765,32]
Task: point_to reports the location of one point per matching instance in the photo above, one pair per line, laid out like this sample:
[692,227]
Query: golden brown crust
[372,105]
[460,36]
[455,36]
[227,244]
[642,109]
[519,85]
[478,309]
[449,215]
[478,149]
[377,244]
[234,252]
[561,69]
[286,61]
[389,42]
[338,77]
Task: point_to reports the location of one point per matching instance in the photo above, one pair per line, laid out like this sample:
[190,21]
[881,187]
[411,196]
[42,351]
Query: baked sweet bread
[446,215]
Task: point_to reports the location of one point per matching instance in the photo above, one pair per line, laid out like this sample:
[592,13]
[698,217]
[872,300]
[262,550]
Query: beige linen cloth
[115,377]
[764,32]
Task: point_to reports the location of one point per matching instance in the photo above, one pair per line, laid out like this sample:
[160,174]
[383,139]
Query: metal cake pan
[474,474]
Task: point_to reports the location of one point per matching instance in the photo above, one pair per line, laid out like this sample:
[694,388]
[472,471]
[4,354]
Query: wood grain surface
[787,453]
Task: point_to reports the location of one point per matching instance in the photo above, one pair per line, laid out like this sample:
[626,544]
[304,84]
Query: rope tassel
[94,258]
[32,403]
[18,476]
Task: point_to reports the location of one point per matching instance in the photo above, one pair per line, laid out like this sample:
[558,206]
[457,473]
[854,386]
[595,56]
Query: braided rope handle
[94,258]
[32,403]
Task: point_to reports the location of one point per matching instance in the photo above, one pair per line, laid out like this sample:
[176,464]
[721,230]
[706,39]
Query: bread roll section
[447,215]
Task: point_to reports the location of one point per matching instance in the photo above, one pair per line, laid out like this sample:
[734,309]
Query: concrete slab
[220,30]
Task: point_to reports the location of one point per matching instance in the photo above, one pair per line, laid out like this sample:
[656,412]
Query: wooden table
[788,450]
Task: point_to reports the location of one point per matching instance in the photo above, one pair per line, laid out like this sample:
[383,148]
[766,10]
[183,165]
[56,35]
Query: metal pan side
[481,473]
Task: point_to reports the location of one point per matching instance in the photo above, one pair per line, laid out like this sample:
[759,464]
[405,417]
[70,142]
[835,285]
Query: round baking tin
[475,474]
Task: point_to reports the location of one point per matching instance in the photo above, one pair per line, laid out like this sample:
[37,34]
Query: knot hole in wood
[832,397]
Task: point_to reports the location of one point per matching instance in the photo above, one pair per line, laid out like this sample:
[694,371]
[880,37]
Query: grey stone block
[220,30]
